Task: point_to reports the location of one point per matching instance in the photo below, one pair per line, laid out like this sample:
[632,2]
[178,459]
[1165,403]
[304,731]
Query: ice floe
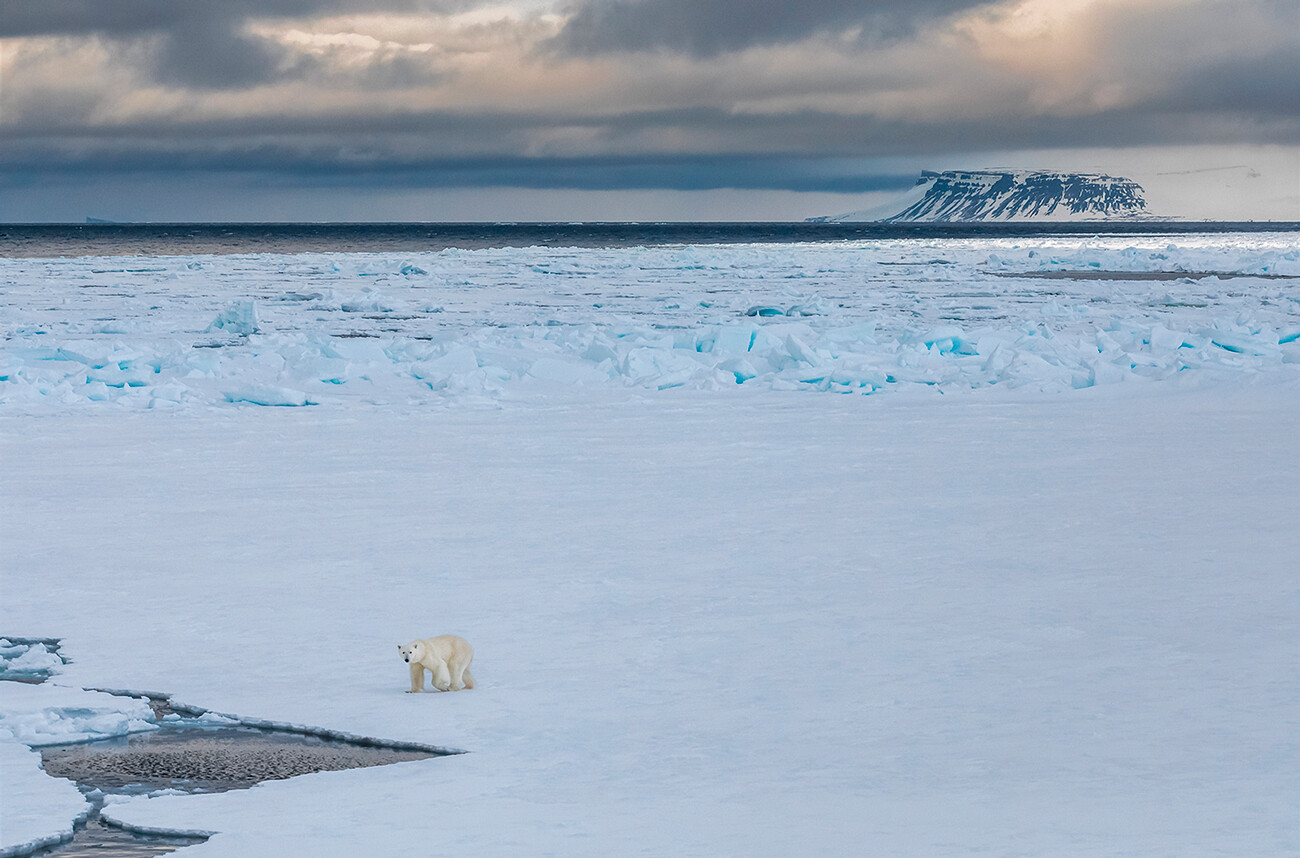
[52,714]
[38,810]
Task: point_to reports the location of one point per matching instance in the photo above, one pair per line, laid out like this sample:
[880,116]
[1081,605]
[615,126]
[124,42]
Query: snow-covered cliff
[1009,195]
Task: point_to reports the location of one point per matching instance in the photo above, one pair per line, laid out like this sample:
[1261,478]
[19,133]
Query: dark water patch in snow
[190,754]
[196,758]
[94,838]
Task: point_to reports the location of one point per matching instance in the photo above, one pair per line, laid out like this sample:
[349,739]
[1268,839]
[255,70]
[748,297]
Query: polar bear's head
[413,651]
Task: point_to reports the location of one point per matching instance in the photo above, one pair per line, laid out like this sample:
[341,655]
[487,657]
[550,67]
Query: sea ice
[716,610]
[1015,621]
[49,714]
[858,313]
[239,318]
[265,394]
[22,658]
[37,810]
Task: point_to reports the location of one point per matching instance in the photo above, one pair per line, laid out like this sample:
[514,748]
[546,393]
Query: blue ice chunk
[949,339]
[265,394]
[599,351]
[740,368]
[799,351]
[1240,342]
[734,339]
[239,318]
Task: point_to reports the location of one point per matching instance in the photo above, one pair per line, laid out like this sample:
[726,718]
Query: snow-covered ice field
[1035,594]
[337,330]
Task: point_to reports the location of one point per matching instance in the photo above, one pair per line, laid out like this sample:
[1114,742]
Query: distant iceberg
[1008,196]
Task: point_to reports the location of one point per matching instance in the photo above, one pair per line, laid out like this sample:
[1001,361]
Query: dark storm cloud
[1266,83]
[209,55]
[776,133]
[275,165]
[204,55]
[707,27]
[198,44]
[135,17]
[78,17]
[825,152]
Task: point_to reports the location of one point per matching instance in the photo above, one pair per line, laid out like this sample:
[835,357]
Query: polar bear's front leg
[441,676]
[417,678]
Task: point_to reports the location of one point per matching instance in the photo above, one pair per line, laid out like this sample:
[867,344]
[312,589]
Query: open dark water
[192,759]
[27,240]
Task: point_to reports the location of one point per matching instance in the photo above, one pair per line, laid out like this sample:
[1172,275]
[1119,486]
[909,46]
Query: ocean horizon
[115,239]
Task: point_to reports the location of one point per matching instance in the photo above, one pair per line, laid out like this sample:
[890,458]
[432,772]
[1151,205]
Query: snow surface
[717,619]
[36,810]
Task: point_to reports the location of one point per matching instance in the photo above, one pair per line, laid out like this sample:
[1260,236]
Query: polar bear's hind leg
[460,675]
[441,676]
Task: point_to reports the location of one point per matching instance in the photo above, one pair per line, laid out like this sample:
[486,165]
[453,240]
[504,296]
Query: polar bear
[447,657]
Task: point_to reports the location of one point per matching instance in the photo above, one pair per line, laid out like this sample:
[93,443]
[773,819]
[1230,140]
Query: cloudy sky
[631,109]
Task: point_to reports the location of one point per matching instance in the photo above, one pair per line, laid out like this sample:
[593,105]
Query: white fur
[447,657]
